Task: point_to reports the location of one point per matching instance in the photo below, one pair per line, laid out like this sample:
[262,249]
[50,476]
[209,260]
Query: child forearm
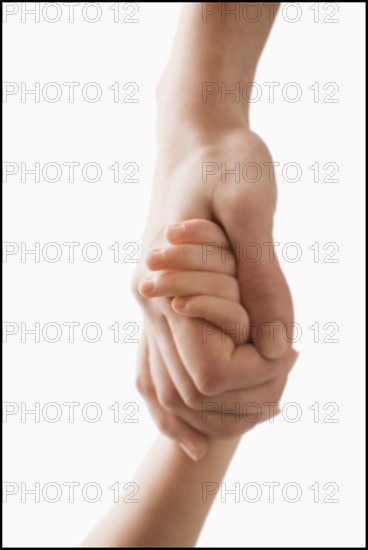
[173,504]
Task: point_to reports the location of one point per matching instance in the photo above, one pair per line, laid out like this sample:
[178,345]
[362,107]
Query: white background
[306,132]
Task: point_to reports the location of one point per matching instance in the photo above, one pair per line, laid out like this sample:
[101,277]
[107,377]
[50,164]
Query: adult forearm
[216,50]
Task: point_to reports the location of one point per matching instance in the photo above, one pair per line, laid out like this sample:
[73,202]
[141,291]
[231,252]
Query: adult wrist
[187,118]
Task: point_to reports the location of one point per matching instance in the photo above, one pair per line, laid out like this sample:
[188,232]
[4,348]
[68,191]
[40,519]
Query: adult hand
[245,209]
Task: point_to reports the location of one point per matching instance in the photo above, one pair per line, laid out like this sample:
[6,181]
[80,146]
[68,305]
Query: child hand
[197,272]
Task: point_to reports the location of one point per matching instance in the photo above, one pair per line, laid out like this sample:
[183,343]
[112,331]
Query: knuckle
[168,399]
[169,255]
[163,279]
[209,229]
[192,399]
[134,289]
[208,382]
[164,424]
[143,302]
[176,256]
[202,227]
[143,385]
[183,255]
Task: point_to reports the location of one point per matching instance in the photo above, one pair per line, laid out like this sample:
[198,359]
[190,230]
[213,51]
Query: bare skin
[175,493]
[173,500]
[242,375]
[172,488]
[177,370]
[213,131]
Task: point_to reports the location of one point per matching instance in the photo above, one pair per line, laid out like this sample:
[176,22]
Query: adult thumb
[264,291]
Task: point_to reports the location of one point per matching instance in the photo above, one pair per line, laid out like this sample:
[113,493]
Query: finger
[263,287]
[193,443]
[234,401]
[217,423]
[228,316]
[223,416]
[268,300]
[184,283]
[197,231]
[214,363]
[179,376]
[193,257]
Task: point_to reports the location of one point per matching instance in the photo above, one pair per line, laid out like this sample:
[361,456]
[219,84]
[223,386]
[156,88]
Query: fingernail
[155,256]
[281,341]
[147,285]
[180,303]
[190,451]
[274,343]
[176,230]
